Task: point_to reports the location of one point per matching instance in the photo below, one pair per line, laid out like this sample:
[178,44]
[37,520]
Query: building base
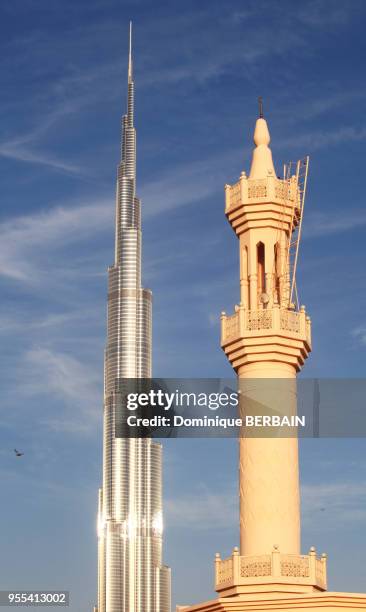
[263,602]
[275,582]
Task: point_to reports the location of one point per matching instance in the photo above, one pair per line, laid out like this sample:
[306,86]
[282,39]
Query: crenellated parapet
[268,334]
[272,572]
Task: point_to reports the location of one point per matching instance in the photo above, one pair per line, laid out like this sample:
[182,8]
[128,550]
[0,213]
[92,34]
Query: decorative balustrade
[290,321]
[295,565]
[321,572]
[281,190]
[232,325]
[259,320]
[257,189]
[235,194]
[238,570]
[308,330]
[225,571]
[269,189]
[255,566]
[251,322]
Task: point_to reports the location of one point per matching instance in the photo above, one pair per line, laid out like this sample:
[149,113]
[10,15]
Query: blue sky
[199,68]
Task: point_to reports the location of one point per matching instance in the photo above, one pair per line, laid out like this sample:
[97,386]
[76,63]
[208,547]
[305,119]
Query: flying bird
[17,453]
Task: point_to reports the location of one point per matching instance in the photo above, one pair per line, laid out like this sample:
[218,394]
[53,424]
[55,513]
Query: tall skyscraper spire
[131,577]
[130,66]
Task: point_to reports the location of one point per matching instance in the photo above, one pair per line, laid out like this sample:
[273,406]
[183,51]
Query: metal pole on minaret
[260,105]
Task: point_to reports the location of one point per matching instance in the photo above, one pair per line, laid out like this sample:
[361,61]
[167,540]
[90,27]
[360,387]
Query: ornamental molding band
[267,340]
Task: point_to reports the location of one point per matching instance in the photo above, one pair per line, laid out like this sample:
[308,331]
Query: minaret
[267,341]
[131,577]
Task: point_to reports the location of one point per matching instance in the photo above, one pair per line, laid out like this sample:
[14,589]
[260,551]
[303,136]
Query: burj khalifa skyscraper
[131,576]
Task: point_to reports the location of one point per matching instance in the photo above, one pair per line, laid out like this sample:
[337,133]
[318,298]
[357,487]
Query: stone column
[244,282]
[253,291]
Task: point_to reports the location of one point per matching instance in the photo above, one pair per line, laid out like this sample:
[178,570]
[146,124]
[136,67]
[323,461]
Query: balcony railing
[259,322]
[240,570]
[270,189]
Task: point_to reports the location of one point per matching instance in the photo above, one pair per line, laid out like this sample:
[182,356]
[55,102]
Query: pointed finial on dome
[261,133]
[262,163]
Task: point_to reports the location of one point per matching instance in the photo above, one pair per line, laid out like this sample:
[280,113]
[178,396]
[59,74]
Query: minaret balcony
[270,201]
[273,572]
[268,334]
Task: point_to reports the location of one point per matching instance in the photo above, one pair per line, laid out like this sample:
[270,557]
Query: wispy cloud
[76,85]
[62,377]
[24,240]
[333,100]
[68,92]
[321,139]
[321,224]
[319,13]
[20,321]
[27,146]
[194,64]
[20,152]
[188,183]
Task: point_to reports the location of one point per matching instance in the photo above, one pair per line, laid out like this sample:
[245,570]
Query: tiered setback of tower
[131,577]
[267,341]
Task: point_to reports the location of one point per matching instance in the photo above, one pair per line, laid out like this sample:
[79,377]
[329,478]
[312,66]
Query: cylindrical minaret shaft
[268,466]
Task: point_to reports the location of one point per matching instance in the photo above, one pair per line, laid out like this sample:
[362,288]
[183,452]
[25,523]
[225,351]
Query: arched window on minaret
[277,274]
[261,271]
